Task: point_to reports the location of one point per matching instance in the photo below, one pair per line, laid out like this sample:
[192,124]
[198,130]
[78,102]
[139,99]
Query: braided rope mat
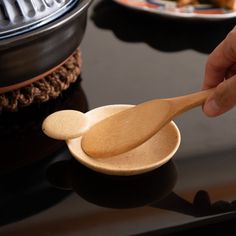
[44,89]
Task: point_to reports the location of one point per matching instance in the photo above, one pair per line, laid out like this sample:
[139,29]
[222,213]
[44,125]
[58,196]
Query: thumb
[223,99]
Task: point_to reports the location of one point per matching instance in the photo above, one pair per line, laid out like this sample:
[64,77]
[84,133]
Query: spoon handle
[187,102]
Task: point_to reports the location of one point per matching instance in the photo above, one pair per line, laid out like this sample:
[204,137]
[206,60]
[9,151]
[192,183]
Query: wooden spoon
[128,129]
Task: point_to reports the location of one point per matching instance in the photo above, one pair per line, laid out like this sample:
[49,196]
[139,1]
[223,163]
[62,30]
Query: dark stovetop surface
[128,57]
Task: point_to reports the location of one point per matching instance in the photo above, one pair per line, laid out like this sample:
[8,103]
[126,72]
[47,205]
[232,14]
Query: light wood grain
[65,124]
[150,155]
[130,128]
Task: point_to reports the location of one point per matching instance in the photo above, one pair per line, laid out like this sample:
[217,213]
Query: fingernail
[211,108]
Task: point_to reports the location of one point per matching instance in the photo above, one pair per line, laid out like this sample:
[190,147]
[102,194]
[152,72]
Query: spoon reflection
[114,191]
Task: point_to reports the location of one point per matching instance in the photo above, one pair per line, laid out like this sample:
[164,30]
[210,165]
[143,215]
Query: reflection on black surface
[154,188]
[162,33]
[22,141]
[201,205]
[27,192]
[26,153]
[114,191]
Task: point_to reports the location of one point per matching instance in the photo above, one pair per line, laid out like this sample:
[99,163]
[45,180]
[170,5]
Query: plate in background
[169,8]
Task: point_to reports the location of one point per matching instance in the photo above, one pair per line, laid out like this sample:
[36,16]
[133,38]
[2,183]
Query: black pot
[29,56]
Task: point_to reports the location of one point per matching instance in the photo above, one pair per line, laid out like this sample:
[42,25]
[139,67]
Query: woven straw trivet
[44,89]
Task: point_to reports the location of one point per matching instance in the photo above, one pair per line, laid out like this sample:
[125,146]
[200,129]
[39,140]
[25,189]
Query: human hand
[220,72]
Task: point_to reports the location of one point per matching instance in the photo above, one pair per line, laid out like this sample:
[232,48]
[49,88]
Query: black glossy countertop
[128,57]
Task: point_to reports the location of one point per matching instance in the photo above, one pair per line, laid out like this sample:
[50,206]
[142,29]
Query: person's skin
[220,72]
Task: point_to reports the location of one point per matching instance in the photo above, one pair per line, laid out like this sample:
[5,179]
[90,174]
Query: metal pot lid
[20,16]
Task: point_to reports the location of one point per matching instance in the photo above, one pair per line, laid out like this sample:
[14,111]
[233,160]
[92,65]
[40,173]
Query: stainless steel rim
[17,16]
[74,12]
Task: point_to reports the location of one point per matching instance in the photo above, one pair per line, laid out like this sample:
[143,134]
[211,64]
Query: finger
[223,57]
[230,72]
[223,99]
